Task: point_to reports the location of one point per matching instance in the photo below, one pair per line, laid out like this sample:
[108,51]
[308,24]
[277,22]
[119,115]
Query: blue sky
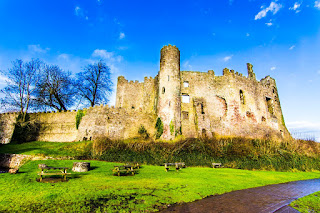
[280,38]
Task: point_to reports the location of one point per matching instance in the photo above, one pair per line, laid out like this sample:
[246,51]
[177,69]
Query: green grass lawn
[310,203]
[151,189]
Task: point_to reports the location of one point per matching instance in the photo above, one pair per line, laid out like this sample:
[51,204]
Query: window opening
[202,111]
[168,77]
[185,98]
[185,115]
[163,90]
[269,105]
[186,84]
[204,133]
[241,97]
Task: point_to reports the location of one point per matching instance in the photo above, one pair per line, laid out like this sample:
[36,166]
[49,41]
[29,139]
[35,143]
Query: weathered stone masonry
[202,104]
[194,104]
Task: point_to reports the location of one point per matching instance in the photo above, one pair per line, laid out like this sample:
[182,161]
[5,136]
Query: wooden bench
[124,169]
[45,170]
[135,165]
[177,166]
[216,165]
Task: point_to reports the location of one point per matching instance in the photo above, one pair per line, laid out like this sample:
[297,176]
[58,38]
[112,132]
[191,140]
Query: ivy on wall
[159,128]
[79,116]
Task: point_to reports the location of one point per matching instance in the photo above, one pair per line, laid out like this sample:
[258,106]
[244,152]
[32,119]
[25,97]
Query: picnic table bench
[216,165]
[126,169]
[177,165]
[45,170]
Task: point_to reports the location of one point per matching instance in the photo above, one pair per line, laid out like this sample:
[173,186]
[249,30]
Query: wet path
[261,199]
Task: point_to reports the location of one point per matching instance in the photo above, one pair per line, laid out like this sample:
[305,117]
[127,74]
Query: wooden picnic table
[127,169]
[45,170]
[177,165]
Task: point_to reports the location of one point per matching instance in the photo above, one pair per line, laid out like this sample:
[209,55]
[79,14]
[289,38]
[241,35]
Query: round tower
[169,99]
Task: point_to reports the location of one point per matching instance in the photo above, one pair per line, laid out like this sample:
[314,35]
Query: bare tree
[94,83]
[55,89]
[21,85]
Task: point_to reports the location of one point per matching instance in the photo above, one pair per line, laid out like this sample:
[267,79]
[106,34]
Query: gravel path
[265,199]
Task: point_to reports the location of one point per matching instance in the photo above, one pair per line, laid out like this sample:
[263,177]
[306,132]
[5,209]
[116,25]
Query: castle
[194,104]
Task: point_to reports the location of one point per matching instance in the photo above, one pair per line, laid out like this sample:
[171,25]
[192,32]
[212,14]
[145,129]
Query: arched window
[163,90]
[241,97]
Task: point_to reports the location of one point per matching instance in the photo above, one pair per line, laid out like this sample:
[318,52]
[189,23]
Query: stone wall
[7,121]
[231,105]
[56,126]
[115,123]
[136,95]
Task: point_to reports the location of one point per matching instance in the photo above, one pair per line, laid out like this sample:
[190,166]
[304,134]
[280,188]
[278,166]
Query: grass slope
[150,190]
[310,203]
[54,149]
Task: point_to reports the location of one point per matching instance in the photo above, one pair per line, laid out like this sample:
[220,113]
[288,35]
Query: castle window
[185,98]
[185,115]
[186,84]
[169,103]
[202,111]
[269,105]
[241,97]
[163,90]
[168,77]
[263,119]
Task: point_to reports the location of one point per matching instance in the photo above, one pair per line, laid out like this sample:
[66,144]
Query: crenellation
[226,71]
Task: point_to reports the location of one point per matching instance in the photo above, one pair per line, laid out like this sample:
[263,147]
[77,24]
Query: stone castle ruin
[193,104]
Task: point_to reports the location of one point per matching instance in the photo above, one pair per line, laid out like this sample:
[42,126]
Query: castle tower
[169,99]
[251,74]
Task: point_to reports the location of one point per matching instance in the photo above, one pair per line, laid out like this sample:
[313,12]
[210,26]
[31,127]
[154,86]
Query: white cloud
[269,24]
[78,11]
[64,56]
[292,47]
[247,34]
[3,80]
[104,54]
[304,129]
[295,7]
[37,48]
[317,4]
[122,35]
[273,68]
[187,66]
[273,7]
[227,58]
[318,72]
[213,34]
[303,124]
